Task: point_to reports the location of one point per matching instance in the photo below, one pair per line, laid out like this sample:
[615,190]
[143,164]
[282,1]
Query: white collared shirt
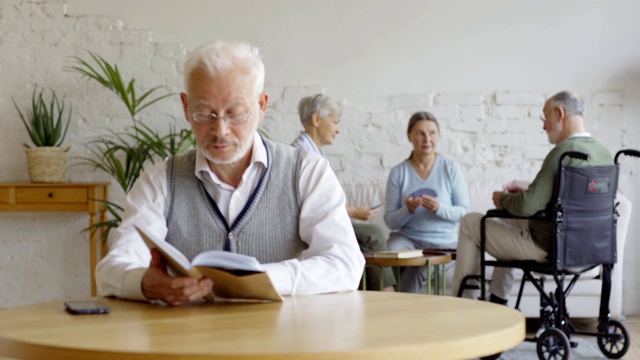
[230,200]
[333,262]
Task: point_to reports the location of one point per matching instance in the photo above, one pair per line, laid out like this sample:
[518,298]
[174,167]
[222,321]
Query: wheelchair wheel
[615,342]
[553,344]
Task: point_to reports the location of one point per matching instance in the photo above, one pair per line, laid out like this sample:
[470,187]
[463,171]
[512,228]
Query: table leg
[428,277]
[100,198]
[364,279]
[103,239]
[440,282]
[437,280]
[93,248]
[444,279]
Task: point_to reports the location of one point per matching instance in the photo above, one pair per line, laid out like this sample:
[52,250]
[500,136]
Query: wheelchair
[583,215]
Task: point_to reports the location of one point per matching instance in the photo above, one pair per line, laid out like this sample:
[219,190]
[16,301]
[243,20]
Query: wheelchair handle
[576,155]
[628,152]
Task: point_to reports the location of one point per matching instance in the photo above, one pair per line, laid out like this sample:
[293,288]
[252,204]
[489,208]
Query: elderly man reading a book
[237,192]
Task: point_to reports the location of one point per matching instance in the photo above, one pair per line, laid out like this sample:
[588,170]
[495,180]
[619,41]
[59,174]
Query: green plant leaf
[123,155]
[110,77]
[151,102]
[163,146]
[45,118]
[105,227]
[119,156]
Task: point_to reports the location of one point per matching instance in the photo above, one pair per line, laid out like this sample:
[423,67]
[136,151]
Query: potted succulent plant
[47,126]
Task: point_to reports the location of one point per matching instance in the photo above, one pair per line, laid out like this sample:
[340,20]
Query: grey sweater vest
[266,228]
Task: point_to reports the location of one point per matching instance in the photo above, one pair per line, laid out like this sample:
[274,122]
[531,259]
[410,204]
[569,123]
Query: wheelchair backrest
[585,218]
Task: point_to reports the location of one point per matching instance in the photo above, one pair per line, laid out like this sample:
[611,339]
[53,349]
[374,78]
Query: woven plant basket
[47,164]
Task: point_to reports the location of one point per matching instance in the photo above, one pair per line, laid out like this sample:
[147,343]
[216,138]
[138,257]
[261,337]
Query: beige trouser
[507,239]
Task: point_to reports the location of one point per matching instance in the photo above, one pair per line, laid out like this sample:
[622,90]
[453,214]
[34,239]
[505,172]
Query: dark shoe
[497,300]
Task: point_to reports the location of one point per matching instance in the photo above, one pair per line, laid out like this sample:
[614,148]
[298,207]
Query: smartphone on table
[86,307]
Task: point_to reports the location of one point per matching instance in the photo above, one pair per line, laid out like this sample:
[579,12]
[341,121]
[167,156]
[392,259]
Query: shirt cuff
[280,277]
[132,284]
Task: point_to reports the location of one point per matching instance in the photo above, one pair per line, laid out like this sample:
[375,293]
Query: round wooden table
[351,325]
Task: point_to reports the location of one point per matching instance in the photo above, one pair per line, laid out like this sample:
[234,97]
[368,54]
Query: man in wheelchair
[522,239]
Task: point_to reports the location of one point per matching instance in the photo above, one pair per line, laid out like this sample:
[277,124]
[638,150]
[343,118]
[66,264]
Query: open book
[399,254]
[235,276]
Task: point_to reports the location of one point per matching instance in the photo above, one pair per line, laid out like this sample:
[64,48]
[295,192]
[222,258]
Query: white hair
[219,56]
[319,103]
[571,103]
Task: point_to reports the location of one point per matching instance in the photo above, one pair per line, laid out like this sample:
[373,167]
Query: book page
[227,260]
[250,287]
[173,256]
[246,281]
[398,254]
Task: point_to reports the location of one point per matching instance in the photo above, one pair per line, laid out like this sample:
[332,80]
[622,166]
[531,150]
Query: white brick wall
[40,258]
[519,98]
[495,135]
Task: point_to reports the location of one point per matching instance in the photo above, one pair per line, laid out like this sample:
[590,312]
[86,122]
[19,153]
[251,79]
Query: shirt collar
[258,155]
[580,134]
[576,135]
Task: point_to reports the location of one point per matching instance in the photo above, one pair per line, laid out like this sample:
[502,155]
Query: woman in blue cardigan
[426,198]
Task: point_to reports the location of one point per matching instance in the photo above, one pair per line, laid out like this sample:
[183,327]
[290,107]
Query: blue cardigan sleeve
[460,205]
[396,214]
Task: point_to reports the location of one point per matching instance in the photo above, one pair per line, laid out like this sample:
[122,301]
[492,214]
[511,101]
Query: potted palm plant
[123,154]
[47,126]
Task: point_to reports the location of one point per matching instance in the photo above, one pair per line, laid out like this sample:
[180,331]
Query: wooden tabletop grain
[351,325]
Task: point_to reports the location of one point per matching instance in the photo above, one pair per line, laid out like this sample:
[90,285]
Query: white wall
[483,68]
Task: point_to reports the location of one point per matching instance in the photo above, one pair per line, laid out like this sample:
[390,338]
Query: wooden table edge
[509,336]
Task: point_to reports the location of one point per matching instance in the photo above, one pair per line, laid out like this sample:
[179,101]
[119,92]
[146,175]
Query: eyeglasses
[543,118]
[230,119]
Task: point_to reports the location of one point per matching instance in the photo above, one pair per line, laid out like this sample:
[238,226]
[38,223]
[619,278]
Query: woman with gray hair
[320,117]
[426,198]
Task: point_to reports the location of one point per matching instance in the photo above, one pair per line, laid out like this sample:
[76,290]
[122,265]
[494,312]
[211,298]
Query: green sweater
[539,193]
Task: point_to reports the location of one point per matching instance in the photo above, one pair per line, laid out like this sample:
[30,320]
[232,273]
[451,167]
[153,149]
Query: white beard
[239,154]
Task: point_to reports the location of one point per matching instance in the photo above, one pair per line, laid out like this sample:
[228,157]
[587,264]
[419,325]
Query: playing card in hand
[424,191]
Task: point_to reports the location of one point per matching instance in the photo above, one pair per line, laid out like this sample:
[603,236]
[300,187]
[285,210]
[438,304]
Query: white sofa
[584,300]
